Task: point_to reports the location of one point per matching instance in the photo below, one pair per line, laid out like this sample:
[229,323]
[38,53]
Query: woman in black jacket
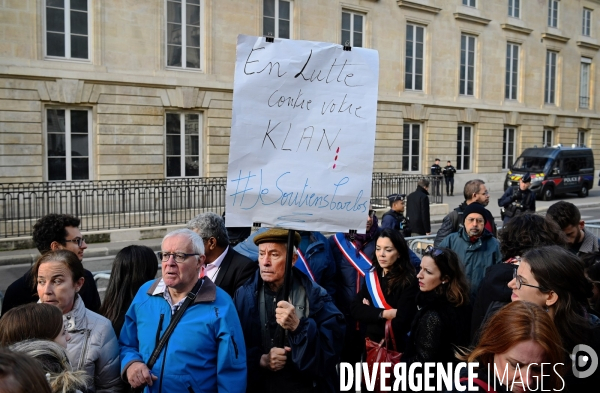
[398,285]
[441,320]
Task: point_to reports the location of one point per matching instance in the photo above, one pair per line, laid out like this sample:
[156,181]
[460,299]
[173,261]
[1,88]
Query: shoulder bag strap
[176,317]
[389,332]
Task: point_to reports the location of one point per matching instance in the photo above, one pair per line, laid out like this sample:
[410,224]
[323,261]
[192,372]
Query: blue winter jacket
[476,257]
[316,343]
[206,351]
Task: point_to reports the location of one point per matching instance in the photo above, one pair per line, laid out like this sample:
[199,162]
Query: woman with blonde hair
[513,345]
[55,363]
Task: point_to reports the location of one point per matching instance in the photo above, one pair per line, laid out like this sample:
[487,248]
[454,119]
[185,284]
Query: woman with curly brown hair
[522,233]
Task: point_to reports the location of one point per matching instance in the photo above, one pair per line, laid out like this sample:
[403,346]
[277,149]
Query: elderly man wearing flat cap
[393,218]
[518,200]
[476,247]
[314,327]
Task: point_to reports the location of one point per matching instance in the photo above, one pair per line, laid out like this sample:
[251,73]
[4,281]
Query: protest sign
[302,135]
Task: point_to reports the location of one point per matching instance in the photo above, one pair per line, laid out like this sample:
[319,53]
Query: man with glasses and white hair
[54,232]
[206,352]
[474,245]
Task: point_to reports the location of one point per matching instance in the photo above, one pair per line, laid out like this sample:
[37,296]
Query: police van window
[530,164]
[589,162]
[573,164]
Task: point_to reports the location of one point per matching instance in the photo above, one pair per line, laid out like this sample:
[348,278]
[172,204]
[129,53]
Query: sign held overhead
[302,135]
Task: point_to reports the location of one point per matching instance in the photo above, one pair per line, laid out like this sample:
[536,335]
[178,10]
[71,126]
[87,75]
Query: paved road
[11,272]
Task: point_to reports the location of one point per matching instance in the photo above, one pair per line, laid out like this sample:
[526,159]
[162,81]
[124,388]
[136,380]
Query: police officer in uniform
[436,169]
[436,183]
[517,200]
[448,173]
[393,218]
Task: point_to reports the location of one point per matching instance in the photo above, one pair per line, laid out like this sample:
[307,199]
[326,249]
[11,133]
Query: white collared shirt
[211,270]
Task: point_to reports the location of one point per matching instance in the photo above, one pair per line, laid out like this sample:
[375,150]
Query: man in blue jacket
[206,351]
[474,245]
[314,327]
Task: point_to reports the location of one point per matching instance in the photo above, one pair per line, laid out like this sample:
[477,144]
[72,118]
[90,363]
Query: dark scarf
[429,299]
[363,240]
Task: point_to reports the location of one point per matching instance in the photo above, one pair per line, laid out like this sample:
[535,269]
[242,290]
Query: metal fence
[104,205]
[384,184]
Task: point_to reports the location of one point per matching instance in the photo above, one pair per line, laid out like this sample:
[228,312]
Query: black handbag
[165,337]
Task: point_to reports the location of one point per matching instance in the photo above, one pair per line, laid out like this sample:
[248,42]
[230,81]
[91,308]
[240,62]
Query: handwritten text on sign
[302,135]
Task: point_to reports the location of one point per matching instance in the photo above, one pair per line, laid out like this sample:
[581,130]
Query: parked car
[554,170]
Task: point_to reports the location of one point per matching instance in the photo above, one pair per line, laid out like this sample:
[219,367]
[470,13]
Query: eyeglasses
[519,282]
[78,240]
[371,213]
[484,193]
[433,251]
[180,257]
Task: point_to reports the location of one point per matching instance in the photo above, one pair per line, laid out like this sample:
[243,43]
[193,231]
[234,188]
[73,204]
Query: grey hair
[54,361]
[423,183]
[193,237]
[210,225]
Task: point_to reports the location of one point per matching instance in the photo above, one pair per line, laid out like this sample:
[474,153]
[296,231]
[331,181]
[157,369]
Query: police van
[554,170]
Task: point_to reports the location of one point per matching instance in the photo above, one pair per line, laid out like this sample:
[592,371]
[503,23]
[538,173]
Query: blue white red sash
[372,281]
[361,263]
[303,266]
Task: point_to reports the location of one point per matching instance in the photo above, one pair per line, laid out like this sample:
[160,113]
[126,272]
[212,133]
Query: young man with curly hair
[53,232]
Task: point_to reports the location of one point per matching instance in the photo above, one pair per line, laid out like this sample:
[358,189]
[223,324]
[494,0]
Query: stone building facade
[125,89]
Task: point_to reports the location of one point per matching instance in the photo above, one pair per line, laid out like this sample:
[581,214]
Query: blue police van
[554,170]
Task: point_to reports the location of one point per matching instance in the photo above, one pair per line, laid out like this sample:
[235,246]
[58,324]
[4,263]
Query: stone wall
[128,87]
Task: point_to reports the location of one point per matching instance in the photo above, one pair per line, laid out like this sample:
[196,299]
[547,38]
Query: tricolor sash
[372,281]
[303,266]
[361,263]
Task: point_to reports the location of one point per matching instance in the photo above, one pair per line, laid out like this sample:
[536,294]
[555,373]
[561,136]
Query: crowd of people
[221,318]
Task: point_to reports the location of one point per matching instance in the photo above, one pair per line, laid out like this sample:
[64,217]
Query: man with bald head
[224,266]
[314,328]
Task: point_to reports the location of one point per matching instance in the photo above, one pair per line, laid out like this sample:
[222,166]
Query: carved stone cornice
[471,18]
[413,5]
[555,37]
[516,29]
[587,45]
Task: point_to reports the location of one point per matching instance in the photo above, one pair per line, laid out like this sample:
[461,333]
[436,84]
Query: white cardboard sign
[302,135]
